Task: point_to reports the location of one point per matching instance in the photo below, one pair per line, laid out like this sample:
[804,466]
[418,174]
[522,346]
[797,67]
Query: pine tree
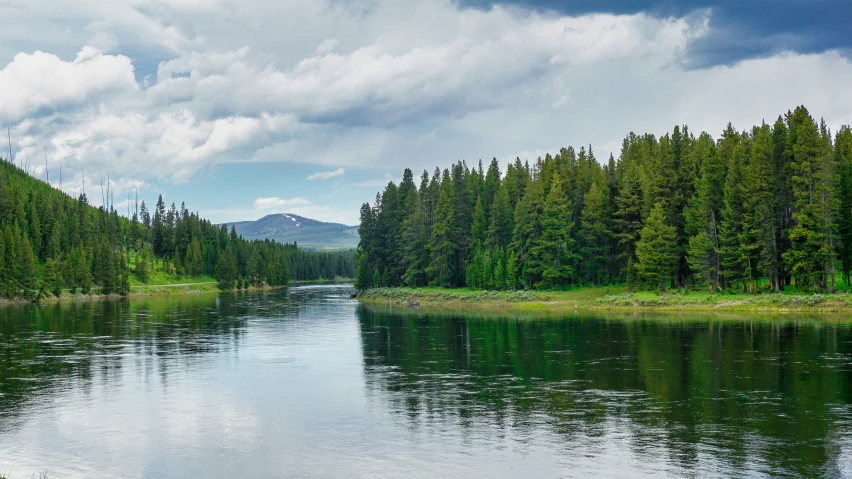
[192,263]
[4,266]
[25,264]
[53,276]
[551,255]
[363,273]
[368,248]
[528,232]
[758,235]
[141,266]
[826,188]
[811,255]
[122,273]
[443,249]
[731,256]
[843,155]
[512,271]
[226,268]
[33,226]
[253,268]
[10,259]
[105,267]
[82,272]
[628,214]
[159,229]
[656,249]
[473,271]
[597,235]
[415,237]
[479,228]
[703,213]
[499,281]
[631,276]
[703,256]
[54,244]
[500,224]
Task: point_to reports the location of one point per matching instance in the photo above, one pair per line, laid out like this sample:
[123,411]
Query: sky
[243,109]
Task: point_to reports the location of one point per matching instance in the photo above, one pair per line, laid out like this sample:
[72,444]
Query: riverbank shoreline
[322,281]
[605,299]
[147,290]
[136,292]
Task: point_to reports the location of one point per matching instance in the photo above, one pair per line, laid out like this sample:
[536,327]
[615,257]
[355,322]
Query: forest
[51,242]
[766,209]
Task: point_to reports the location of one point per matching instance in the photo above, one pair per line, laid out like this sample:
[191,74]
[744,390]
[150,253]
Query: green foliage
[758,209]
[703,212]
[226,269]
[597,263]
[551,254]
[52,273]
[50,241]
[193,264]
[656,249]
[444,247]
[141,267]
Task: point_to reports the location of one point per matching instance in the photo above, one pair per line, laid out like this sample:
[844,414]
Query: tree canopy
[760,208]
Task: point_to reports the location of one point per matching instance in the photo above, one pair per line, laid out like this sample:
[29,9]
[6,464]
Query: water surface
[307,383]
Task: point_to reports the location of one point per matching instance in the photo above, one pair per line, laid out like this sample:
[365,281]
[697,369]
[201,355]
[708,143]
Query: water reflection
[58,346]
[704,396]
[306,383]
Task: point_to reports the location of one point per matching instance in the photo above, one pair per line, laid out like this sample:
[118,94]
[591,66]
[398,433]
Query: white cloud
[272,205]
[377,85]
[327,46]
[325,175]
[275,203]
[42,80]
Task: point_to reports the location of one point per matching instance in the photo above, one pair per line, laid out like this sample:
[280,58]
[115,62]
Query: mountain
[308,233]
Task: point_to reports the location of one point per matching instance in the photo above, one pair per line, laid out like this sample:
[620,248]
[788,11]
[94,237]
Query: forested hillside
[766,208]
[50,241]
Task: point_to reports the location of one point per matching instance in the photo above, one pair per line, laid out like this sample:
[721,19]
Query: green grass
[336,279]
[151,289]
[161,277]
[609,298]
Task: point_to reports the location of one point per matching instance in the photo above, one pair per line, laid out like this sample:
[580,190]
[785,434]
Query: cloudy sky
[311,106]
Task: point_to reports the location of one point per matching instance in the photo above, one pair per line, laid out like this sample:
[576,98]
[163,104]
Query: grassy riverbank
[338,279]
[137,291]
[610,298]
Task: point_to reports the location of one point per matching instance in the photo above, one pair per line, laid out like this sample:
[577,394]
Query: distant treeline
[762,208]
[50,241]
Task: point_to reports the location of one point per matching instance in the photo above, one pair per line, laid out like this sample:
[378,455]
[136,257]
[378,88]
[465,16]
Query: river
[308,383]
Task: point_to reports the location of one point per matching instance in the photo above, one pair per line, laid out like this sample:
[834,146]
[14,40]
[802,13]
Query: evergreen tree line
[194,246]
[50,241]
[759,209]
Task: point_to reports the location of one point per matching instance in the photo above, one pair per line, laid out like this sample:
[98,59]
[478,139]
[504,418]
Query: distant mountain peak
[291,218]
[293,228]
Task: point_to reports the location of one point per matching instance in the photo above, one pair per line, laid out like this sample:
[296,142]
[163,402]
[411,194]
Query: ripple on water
[307,383]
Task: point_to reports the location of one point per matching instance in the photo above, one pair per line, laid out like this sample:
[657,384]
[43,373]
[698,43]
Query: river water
[308,383]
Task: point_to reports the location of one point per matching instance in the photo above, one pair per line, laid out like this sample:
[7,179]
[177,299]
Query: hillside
[53,244]
[308,233]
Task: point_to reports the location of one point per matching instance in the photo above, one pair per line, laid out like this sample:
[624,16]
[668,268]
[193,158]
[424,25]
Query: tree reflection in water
[755,395]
